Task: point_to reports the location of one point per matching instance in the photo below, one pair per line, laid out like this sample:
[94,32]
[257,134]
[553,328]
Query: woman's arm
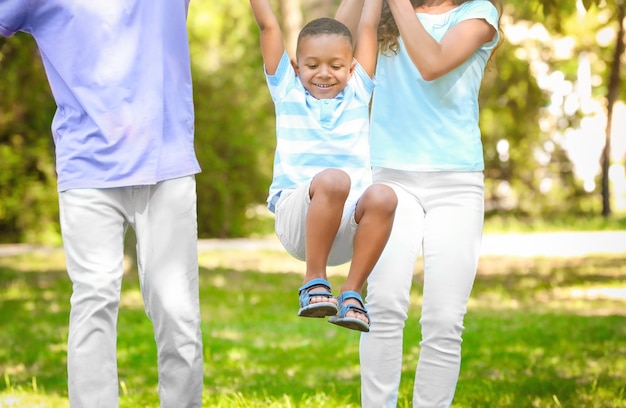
[349,13]
[366,50]
[434,59]
[272,47]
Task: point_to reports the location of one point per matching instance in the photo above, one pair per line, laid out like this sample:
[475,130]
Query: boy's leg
[307,221]
[374,215]
[328,193]
[92,224]
[165,222]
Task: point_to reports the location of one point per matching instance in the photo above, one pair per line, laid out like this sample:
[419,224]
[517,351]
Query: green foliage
[557,8]
[235,135]
[535,178]
[564,18]
[28,199]
[538,330]
[235,122]
[523,223]
[511,104]
[234,129]
[234,117]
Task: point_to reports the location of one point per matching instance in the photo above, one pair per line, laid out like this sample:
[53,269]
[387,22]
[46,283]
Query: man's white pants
[441,214]
[93,222]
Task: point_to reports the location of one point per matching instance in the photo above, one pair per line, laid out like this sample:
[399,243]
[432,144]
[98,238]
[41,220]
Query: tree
[28,199]
[234,129]
[234,117]
[616,8]
[612,94]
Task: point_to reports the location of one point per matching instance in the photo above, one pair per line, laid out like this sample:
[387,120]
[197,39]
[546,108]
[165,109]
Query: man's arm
[272,47]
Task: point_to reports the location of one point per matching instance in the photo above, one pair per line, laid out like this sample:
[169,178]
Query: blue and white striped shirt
[316,134]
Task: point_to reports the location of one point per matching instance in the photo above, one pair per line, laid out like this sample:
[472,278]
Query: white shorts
[290,226]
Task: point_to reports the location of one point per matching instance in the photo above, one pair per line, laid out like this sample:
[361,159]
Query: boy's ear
[352,66]
[294,64]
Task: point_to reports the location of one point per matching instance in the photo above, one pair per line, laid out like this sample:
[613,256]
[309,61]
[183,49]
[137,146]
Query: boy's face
[324,64]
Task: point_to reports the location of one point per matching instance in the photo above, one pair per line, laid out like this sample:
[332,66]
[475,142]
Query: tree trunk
[613,91]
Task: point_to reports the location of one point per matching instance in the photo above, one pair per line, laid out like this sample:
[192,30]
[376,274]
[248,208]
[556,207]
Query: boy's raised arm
[272,46]
[366,48]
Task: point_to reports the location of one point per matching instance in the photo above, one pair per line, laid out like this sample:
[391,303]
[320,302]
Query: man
[119,71]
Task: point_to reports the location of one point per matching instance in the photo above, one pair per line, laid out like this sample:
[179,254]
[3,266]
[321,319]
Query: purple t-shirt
[120,74]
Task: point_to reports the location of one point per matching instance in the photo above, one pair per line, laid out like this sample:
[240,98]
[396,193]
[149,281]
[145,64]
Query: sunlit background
[543,107]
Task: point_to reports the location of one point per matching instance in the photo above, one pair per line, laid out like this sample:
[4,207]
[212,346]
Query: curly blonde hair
[388,32]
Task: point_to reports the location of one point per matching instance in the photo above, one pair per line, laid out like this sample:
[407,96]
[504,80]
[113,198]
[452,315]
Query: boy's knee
[331,181]
[382,197]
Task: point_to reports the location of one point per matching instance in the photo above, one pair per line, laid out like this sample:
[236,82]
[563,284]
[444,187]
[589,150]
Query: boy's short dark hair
[325,25]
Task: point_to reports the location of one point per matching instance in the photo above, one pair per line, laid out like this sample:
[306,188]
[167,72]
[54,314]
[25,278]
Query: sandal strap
[310,289]
[344,309]
[353,307]
[350,294]
[320,294]
[313,283]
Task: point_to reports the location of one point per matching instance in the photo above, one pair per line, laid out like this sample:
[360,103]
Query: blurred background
[553,119]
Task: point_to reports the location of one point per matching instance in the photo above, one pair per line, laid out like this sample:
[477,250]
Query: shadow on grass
[531,340]
[586,285]
[34,309]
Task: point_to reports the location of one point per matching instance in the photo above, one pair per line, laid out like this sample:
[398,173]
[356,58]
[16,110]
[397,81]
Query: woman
[426,145]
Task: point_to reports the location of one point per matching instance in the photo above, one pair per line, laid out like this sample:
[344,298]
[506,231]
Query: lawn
[540,332]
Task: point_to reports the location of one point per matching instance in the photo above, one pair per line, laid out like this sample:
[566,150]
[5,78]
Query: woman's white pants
[93,223]
[440,214]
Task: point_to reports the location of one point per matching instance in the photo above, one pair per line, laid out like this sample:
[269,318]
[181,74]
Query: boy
[327,211]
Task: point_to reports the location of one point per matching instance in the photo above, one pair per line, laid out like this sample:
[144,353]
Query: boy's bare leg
[374,213]
[329,191]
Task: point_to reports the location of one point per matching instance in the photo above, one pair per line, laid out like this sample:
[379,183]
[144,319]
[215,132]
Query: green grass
[262,222]
[500,223]
[539,333]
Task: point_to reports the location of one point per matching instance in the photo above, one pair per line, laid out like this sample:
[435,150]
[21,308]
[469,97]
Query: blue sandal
[319,309]
[350,322]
